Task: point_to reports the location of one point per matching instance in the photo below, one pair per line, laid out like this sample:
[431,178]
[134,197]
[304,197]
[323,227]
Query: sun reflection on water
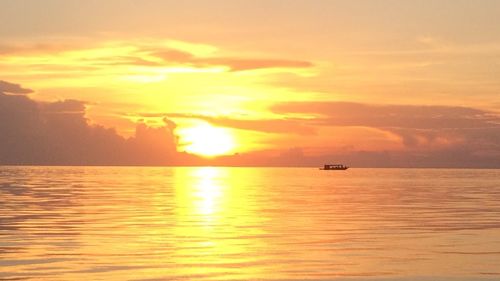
[208,191]
[210,213]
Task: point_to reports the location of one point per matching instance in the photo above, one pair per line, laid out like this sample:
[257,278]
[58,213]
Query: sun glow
[207,140]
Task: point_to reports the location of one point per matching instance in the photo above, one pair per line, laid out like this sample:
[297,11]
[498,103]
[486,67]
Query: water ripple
[140,223]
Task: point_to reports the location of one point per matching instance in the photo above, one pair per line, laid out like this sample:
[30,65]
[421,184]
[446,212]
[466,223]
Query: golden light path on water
[217,227]
[207,223]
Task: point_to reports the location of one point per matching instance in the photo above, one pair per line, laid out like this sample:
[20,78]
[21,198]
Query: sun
[207,140]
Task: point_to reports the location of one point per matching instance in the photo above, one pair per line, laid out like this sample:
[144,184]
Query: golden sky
[306,78]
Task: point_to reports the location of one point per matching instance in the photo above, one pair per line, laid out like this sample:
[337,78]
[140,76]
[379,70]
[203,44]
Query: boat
[334,167]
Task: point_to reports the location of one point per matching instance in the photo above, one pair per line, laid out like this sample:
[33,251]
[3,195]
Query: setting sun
[207,140]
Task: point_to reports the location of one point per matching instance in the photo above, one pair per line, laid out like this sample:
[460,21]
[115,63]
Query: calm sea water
[109,223]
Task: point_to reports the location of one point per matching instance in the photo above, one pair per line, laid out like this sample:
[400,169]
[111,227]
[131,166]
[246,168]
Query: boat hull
[336,169]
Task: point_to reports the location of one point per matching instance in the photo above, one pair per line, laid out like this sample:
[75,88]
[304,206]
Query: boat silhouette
[334,167]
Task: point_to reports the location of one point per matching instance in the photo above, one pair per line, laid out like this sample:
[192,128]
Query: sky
[253,83]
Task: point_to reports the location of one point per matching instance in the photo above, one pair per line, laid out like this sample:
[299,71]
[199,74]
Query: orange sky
[269,78]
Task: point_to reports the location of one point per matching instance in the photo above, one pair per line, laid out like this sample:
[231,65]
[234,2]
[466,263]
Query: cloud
[58,133]
[150,54]
[240,64]
[6,87]
[173,55]
[458,133]
[395,116]
[411,121]
[64,107]
[279,126]
[233,63]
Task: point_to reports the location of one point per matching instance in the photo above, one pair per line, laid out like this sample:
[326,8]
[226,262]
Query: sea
[218,223]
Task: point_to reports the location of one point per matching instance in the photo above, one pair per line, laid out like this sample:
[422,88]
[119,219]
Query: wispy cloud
[419,127]
[392,116]
[151,56]
[292,126]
